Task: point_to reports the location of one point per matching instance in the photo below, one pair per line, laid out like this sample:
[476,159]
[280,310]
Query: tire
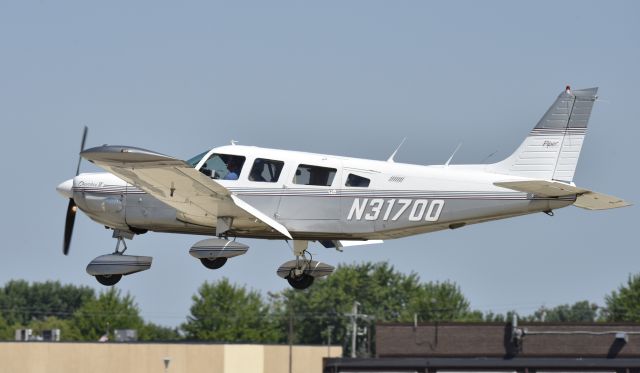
[108,280]
[300,282]
[213,263]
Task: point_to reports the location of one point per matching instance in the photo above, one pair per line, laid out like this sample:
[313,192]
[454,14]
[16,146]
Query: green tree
[498,317]
[441,301]
[582,311]
[6,331]
[624,304]
[68,331]
[225,312]
[22,302]
[154,332]
[384,294]
[109,311]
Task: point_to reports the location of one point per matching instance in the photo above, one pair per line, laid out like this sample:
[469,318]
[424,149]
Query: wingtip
[121,153]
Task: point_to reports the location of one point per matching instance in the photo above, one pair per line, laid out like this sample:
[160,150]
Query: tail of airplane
[550,153]
[551,150]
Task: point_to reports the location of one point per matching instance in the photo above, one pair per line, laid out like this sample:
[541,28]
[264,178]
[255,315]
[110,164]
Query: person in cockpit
[233,172]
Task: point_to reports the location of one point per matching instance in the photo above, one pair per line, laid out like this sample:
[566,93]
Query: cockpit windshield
[223,166]
[194,161]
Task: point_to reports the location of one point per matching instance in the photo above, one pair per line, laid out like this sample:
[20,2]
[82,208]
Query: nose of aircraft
[65,188]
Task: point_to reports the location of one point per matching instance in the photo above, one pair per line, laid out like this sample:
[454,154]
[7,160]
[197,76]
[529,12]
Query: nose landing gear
[109,269]
[108,280]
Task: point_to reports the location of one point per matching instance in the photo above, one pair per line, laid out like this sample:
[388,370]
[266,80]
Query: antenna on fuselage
[489,156]
[454,153]
[390,159]
[233,142]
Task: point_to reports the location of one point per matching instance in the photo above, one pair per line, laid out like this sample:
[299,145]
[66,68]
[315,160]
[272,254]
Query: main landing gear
[300,281]
[109,269]
[214,252]
[301,272]
[216,263]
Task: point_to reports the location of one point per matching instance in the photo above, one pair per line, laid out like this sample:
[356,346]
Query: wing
[585,199]
[197,198]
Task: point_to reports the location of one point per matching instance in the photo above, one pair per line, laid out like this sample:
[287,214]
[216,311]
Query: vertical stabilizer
[552,149]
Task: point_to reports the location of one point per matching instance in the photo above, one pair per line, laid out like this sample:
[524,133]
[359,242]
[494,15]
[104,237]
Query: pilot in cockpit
[233,171]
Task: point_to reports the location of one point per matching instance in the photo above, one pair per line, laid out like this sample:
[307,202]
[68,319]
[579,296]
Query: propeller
[72,208]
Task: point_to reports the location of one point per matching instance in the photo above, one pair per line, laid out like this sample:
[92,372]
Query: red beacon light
[568,89]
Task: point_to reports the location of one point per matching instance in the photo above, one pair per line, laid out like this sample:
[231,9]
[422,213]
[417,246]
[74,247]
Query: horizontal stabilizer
[586,199]
[542,188]
[599,201]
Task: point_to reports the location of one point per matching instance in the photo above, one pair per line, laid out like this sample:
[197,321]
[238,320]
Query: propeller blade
[68,225]
[71,208]
[84,138]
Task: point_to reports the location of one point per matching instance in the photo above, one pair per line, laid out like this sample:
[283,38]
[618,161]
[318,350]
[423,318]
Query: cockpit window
[314,175]
[194,161]
[357,181]
[265,170]
[223,166]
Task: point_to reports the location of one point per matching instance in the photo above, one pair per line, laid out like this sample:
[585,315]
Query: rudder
[552,149]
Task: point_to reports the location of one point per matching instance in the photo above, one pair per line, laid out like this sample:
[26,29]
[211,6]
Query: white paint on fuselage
[390,206]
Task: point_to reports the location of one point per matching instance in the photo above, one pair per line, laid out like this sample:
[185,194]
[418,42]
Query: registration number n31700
[394,209]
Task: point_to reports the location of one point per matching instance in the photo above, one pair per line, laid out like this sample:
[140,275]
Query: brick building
[528,347]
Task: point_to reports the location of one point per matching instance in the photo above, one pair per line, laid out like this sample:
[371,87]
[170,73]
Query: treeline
[77,311]
[225,312]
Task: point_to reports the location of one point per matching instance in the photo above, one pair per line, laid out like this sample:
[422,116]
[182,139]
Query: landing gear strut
[109,269]
[301,272]
[120,241]
[112,279]
[298,278]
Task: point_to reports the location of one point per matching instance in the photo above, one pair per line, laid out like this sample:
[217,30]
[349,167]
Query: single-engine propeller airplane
[243,191]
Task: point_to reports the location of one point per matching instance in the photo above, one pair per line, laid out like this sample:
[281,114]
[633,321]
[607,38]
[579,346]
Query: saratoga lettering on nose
[394,209]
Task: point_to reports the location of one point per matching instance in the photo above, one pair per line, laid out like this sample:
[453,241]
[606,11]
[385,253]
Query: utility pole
[290,341]
[329,329]
[354,315]
[354,327]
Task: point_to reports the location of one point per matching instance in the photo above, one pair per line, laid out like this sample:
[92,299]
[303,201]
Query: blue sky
[348,78]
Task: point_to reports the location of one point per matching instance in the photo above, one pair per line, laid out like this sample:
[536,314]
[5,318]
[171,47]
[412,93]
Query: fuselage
[322,197]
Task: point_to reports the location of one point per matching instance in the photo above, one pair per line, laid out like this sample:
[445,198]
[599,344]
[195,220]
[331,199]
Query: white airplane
[242,191]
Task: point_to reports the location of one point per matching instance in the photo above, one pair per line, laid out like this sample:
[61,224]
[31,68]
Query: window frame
[221,156]
[266,161]
[359,177]
[305,165]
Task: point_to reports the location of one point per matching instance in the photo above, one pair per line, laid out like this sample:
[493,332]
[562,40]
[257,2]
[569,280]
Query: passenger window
[223,166]
[357,181]
[266,170]
[314,175]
